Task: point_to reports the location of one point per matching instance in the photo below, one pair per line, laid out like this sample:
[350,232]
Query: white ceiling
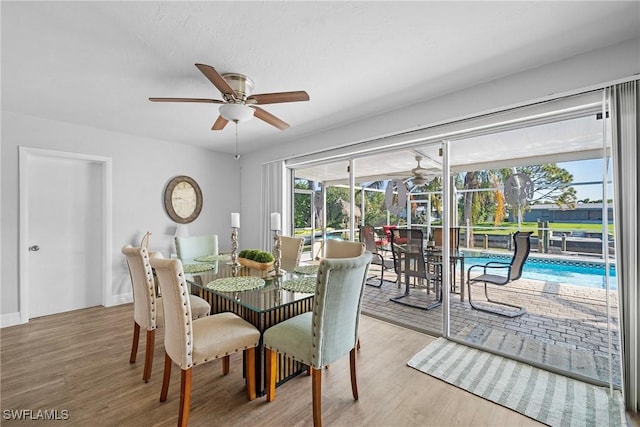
[97,63]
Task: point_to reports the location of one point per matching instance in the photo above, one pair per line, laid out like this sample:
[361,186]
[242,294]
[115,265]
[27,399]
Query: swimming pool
[578,273]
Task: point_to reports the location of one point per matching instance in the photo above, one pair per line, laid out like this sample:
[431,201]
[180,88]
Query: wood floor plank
[79,361]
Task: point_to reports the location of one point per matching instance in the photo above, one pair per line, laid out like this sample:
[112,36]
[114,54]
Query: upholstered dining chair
[147,304]
[343,249]
[326,334]
[190,247]
[193,342]
[290,251]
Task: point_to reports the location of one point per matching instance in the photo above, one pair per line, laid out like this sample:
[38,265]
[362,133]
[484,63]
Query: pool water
[578,273]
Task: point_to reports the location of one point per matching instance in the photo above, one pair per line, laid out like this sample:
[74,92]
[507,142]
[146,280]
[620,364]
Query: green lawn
[508,227]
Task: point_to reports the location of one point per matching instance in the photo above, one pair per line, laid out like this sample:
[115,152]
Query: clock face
[183,199]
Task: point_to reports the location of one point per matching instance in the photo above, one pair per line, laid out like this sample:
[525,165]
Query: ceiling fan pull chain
[237,156]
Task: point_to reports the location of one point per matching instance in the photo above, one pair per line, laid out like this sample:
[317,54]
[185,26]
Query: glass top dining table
[260,298]
[242,284]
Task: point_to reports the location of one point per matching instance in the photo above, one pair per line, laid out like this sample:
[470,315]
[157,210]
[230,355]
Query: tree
[477,205]
[471,182]
[550,182]
[302,205]
[499,214]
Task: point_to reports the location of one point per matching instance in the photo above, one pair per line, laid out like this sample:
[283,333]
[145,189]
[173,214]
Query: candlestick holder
[234,247]
[276,254]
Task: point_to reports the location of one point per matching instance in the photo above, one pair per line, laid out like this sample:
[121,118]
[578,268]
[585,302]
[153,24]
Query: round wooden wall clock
[183,199]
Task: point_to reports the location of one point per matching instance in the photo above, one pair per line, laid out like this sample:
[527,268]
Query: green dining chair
[191,247]
[326,334]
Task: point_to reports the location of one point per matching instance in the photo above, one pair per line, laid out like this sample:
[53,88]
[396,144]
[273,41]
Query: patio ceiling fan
[420,175]
[238,104]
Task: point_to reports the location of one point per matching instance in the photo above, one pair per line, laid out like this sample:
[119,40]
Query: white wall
[141,169]
[585,71]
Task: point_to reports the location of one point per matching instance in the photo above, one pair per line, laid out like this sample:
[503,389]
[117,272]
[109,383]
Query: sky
[587,171]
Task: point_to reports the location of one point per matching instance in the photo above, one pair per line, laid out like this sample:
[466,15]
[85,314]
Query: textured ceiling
[97,63]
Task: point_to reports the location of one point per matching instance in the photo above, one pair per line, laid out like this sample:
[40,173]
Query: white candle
[235,220]
[275,221]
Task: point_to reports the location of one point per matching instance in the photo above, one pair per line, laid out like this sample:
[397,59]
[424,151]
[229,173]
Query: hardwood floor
[79,362]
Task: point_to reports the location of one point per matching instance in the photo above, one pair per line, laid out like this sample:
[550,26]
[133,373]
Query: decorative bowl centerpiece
[256,259]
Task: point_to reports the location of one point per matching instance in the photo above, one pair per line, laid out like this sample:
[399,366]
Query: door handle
[34,248]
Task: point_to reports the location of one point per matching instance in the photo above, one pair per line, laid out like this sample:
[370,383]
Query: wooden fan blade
[220,123]
[205,100]
[277,97]
[217,80]
[269,118]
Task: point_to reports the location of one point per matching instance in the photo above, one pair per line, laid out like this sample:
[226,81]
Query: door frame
[25,154]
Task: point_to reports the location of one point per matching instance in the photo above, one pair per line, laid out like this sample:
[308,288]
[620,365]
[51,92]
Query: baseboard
[10,319]
[120,299]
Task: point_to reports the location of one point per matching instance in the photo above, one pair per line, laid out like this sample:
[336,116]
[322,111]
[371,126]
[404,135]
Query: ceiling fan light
[236,112]
[418,180]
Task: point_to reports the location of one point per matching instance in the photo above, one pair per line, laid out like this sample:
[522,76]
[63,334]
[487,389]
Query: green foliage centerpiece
[255,258]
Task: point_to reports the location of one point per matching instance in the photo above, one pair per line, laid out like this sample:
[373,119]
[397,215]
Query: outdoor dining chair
[409,257]
[367,236]
[501,274]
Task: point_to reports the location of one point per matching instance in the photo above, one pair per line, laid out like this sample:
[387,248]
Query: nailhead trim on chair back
[337,306]
[177,311]
[144,290]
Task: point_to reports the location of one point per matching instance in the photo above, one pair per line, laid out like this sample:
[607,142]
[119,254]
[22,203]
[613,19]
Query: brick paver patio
[564,327]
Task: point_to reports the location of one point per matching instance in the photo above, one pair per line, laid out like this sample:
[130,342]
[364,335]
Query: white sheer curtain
[624,105]
[275,198]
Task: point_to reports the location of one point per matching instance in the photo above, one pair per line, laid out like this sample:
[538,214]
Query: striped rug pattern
[544,396]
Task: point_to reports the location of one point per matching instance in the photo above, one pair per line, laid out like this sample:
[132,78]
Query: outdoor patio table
[435,254]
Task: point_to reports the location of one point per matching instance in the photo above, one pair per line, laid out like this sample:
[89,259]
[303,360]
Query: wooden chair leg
[134,345]
[272,370]
[250,369]
[148,354]
[225,365]
[354,382]
[165,378]
[316,392]
[185,397]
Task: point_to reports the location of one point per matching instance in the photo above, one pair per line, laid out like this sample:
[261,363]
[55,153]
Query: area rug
[581,362]
[544,396]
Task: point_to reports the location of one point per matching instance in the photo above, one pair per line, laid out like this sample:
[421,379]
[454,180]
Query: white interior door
[65,234]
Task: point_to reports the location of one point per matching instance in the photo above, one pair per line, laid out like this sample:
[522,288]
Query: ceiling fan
[238,103]
[419,174]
